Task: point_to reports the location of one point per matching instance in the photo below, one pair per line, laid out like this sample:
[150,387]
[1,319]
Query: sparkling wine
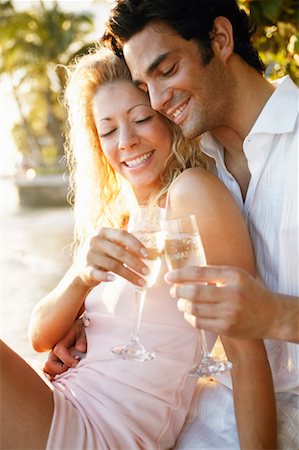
[145,223]
[183,250]
[154,242]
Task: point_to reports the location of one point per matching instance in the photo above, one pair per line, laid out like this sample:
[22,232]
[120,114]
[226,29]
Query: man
[199,68]
[196,61]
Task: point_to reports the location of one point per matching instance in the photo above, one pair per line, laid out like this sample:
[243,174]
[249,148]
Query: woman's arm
[54,315]
[111,250]
[226,242]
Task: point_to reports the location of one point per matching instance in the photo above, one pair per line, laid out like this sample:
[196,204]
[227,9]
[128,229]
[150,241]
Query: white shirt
[271,209]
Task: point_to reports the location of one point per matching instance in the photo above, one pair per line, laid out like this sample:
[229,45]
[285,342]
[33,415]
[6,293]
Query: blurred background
[37,38]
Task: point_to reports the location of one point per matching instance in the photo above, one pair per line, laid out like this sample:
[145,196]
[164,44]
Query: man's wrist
[284,323]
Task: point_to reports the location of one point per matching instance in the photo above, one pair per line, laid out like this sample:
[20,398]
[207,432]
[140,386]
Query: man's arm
[233,303]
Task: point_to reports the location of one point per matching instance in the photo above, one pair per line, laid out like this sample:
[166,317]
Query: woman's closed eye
[145,119]
[107,133]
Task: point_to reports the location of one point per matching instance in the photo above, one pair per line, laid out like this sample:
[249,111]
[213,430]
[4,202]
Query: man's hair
[192,19]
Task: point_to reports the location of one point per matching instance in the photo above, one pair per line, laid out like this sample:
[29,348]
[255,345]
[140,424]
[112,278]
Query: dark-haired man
[197,63]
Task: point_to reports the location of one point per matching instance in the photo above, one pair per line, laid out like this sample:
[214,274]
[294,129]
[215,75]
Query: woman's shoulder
[196,179]
[199,189]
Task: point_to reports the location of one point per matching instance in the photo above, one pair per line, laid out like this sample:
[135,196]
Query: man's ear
[222,38]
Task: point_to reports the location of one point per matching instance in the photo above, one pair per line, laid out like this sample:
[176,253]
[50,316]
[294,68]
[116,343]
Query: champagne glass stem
[204,345]
[145,225]
[139,304]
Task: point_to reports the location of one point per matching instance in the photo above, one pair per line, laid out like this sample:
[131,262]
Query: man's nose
[159,97]
[127,138]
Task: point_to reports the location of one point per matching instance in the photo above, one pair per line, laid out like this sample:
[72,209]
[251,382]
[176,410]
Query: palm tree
[33,46]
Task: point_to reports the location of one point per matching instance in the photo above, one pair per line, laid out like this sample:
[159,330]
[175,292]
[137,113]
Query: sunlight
[9,155]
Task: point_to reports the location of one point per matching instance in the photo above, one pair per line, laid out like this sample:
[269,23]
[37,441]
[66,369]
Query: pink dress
[109,403]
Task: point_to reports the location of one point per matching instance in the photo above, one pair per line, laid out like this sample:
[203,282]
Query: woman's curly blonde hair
[99,195]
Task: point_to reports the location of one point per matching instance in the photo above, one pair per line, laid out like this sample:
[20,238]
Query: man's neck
[253,93]
[234,156]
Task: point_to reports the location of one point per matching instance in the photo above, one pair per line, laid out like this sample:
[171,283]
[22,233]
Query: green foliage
[34,44]
[277,35]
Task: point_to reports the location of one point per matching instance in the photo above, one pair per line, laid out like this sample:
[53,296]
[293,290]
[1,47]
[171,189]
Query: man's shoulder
[286,82]
[280,113]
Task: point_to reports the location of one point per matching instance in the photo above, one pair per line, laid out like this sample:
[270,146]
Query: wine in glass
[146,224]
[183,247]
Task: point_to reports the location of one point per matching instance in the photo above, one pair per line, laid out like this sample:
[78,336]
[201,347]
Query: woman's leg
[26,404]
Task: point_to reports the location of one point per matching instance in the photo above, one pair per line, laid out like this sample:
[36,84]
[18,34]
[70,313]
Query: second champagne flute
[146,224]
[183,247]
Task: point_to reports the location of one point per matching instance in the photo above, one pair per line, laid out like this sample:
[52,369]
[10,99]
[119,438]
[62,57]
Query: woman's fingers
[116,251]
[112,256]
[124,239]
[98,275]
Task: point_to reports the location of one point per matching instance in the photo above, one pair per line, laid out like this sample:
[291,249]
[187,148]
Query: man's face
[193,95]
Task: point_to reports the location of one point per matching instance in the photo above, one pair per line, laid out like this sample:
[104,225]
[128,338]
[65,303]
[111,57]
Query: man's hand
[68,351]
[225,300]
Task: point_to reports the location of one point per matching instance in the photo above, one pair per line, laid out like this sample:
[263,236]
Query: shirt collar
[279,115]
[212,148]
[280,112]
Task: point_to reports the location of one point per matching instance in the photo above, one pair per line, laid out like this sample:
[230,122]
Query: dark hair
[192,19]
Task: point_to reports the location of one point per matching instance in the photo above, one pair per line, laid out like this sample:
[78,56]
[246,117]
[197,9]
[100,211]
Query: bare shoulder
[220,221]
[198,182]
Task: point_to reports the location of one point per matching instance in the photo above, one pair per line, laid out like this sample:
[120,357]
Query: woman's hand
[110,252]
[116,251]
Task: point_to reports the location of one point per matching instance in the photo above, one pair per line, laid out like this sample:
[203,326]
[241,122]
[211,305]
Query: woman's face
[135,139]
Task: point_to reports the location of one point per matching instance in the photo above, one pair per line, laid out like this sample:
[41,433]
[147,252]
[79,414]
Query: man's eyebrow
[153,66]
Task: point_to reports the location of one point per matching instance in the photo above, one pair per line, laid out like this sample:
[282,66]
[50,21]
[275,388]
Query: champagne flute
[146,224]
[183,247]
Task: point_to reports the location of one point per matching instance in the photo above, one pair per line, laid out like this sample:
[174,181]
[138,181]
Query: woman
[106,402]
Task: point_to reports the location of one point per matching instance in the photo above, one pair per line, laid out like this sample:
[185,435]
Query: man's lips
[176,114]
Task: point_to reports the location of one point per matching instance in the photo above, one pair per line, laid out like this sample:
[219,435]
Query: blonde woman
[122,151]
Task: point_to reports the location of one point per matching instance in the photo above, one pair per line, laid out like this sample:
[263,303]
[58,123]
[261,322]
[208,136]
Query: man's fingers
[202,310]
[81,343]
[197,292]
[53,365]
[212,325]
[64,354]
[200,274]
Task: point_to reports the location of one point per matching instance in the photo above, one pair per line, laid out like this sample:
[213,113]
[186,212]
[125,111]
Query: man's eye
[169,71]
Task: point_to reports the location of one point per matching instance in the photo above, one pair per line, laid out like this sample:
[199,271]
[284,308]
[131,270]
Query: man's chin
[190,132]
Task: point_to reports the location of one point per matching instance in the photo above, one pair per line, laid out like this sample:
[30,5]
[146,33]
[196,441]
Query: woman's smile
[139,161]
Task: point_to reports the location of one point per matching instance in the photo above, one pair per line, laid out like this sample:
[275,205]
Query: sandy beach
[35,253]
